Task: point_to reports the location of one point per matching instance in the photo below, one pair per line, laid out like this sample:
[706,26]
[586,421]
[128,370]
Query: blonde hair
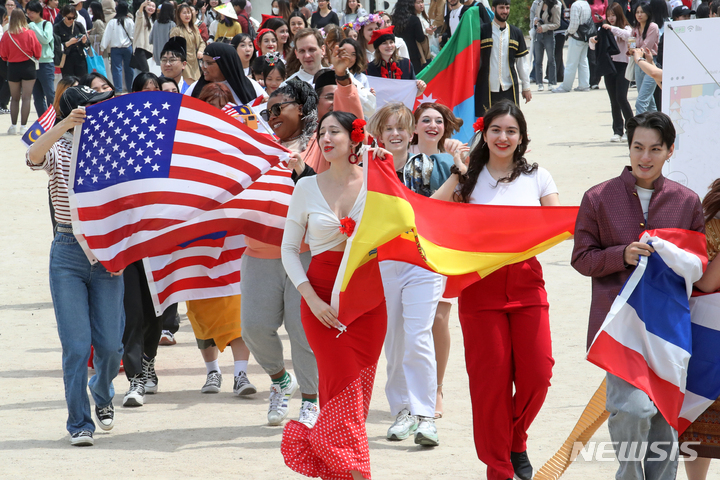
[18,23]
[405,118]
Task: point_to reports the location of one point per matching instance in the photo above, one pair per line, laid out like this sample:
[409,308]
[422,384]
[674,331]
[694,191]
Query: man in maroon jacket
[611,218]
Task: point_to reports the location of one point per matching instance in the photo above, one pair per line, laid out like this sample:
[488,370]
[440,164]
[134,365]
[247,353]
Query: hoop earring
[353,159]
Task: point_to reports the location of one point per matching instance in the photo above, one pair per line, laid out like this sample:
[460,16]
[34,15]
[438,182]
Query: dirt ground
[180,433]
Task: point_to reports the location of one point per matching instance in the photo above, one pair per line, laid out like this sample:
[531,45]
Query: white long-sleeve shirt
[500,76]
[117,37]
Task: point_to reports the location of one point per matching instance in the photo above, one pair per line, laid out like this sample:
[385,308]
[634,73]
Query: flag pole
[591,419]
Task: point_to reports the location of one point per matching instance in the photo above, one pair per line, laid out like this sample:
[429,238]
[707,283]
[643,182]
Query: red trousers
[506,332]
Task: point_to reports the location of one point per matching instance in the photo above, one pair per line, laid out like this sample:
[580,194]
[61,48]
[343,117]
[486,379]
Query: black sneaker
[521,465]
[151,379]
[105,417]
[212,382]
[83,438]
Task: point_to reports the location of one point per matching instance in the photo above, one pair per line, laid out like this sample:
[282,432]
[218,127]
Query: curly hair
[404,9]
[305,95]
[480,155]
[451,123]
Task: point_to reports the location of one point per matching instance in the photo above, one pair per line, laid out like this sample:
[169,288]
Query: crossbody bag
[35,60]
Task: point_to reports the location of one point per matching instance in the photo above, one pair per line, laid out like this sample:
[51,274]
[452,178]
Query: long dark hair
[404,9]
[149,19]
[645,6]
[345,120]
[167,13]
[620,19]
[480,155]
[659,12]
[276,23]
[97,11]
[121,12]
[235,42]
[711,202]
[360,64]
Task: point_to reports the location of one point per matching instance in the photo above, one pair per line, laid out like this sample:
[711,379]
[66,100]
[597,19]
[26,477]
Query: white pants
[412,294]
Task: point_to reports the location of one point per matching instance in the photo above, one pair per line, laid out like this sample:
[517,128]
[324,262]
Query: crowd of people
[310,62]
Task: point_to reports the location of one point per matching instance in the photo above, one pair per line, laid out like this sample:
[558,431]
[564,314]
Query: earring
[353,159]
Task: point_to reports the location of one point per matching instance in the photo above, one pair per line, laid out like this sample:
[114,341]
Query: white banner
[390,90]
[691,97]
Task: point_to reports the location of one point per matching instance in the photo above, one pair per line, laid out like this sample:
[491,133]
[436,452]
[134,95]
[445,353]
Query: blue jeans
[635,421]
[545,42]
[645,88]
[577,61]
[120,61]
[44,88]
[88,304]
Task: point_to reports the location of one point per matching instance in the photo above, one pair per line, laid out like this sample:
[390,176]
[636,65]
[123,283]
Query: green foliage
[520,14]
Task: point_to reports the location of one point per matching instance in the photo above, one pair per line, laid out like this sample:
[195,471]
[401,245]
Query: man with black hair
[173,61]
[243,20]
[454,10]
[502,67]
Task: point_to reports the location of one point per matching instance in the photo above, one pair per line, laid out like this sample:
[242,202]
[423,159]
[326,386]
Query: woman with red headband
[266,41]
[323,210]
[387,62]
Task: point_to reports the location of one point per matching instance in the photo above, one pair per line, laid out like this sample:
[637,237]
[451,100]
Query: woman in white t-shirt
[504,316]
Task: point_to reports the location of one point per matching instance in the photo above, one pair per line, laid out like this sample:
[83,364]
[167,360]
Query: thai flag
[658,339]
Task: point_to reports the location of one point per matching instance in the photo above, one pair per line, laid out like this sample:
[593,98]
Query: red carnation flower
[347,226]
[479,126]
[358,132]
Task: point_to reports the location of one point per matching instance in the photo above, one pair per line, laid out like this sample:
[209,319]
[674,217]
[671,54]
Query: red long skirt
[506,331]
[346,364]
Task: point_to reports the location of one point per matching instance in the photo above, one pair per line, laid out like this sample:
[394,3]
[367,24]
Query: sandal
[439,413]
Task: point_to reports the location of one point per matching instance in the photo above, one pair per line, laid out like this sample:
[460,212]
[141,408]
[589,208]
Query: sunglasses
[71,18]
[275,110]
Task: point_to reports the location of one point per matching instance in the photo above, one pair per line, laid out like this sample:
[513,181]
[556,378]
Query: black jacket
[605,48]
[484,18]
[412,34]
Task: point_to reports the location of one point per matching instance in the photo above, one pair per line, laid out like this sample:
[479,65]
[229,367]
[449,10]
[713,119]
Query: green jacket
[44,33]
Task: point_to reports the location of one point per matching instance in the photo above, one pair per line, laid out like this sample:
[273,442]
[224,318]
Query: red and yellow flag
[462,241]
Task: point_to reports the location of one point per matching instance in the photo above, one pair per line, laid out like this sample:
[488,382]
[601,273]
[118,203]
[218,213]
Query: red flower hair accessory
[358,131]
[347,226]
[479,126]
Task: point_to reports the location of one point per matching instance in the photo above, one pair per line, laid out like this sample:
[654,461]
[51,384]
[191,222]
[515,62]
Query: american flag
[41,125]
[155,169]
[209,266]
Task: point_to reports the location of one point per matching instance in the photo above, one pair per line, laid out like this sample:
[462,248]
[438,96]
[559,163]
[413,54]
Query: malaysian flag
[209,266]
[41,125]
[155,169]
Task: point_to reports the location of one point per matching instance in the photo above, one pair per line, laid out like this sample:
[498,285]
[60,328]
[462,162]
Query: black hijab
[232,69]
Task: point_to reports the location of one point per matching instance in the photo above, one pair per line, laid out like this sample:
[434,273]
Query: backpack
[57,47]
[586,31]
[251,28]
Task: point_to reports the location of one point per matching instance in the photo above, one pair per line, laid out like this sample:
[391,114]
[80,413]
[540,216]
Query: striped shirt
[57,165]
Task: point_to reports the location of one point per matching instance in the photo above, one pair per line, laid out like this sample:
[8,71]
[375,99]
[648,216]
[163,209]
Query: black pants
[617,88]
[171,323]
[74,65]
[142,327]
[559,64]
[503,94]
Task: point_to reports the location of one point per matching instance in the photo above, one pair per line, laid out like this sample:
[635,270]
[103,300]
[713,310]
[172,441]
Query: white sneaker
[309,413]
[426,433]
[541,87]
[616,139]
[279,398]
[23,129]
[12,130]
[135,396]
[404,426]
[624,137]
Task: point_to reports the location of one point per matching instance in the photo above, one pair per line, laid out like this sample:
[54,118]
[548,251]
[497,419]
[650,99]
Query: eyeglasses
[169,61]
[275,110]
[205,63]
[70,18]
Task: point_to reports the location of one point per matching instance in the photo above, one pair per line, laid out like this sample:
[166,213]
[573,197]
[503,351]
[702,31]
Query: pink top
[598,8]
[621,36]
[651,38]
